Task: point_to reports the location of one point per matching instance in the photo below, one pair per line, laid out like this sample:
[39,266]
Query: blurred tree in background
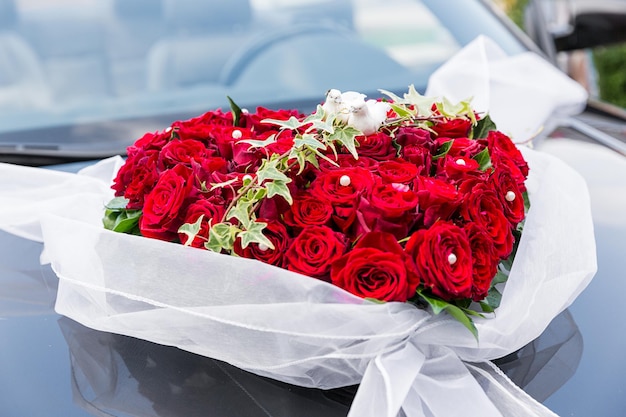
[609,61]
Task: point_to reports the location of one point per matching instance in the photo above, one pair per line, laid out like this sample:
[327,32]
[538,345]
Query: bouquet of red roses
[406,199]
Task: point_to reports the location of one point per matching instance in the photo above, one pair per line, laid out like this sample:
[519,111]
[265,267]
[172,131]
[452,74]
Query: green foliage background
[610,61]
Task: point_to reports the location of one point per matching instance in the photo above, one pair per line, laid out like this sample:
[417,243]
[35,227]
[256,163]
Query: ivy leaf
[259,143]
[484,159]
[461,315]
[401,111]
[278,188]
[241,212]
[269,171]
[191,230]
[254,234]
[308,141]
[221,237]
[462,108]
[292,123]
[223,184]
[321,121]
[392,96]
[423,104]
[235,110]
[483,127]
[346,135]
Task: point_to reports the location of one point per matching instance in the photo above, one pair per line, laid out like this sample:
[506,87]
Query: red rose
[377,146]
[413,136]
[443,258]
[484,261]
[342,189]
[377,267]
[419,156]
[456,168]
[393,200]
[182,152]
[136,178]
[213,209]
[508,191]
[455,128]
[463,146]
[397,171]
[482,206]
[504,152]
[150,141]
[313,250]
[437,199]
[162,208]
[255,120]
[277,234]
[346,160]
[308,211]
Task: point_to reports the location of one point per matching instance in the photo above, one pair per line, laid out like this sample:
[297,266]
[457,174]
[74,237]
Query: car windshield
[78,62]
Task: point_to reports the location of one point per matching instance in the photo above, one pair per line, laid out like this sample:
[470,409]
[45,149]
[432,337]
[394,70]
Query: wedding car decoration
[406,196]
[408,199]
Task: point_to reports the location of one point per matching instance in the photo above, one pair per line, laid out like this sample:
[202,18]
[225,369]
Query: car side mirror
[566,25]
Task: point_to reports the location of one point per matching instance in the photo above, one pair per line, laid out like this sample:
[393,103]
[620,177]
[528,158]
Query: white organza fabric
[303,331]
[524,94]
[300,330]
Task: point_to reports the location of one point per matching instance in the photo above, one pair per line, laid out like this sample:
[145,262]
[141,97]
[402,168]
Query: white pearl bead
[247,178]
[452,259]
[510,196]
[263,247]
[460,161]
[344,180]
[236,134]
[168,129]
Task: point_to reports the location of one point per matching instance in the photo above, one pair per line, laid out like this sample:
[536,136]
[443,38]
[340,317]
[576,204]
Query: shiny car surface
[82,79]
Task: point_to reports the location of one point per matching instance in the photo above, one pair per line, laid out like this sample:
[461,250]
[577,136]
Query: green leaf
[270,171]
[346,136]
[122,221]
[483,127]
[492,301]
[259,143]
[321,121]
[484,159]
[221,237]
[461,315]
[526,201]
[223,184]
[236,111]
[278,188]
[443,150]
[401,111]
[422,103]
[254,234]
[117,203]
[241,212]
[292,123]
[308,141]
[191,230]
[451,110]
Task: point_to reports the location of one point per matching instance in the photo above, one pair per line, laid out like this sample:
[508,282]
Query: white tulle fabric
[524,94]
[300,330]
